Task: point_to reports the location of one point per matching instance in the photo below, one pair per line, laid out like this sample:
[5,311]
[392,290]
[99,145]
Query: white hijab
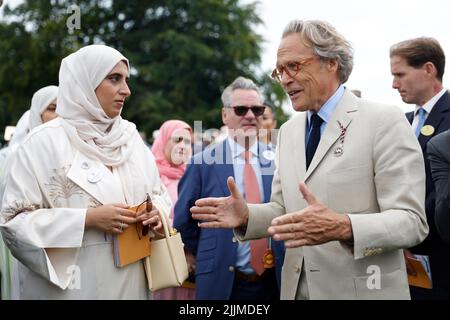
[92,132]
[39,103]
[21,131]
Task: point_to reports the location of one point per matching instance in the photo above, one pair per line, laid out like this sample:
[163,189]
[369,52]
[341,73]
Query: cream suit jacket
[379,181]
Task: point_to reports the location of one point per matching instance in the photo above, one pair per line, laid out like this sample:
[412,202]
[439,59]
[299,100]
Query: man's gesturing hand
[316,224]
[226,212]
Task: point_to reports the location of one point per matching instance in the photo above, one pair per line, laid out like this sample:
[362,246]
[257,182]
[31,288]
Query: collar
[328,107]
[237,149]
[430,103]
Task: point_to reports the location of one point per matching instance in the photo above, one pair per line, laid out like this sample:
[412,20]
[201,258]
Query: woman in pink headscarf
[172,150]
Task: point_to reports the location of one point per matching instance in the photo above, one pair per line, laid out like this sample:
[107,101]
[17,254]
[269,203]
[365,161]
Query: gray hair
[326,42]
[239,83]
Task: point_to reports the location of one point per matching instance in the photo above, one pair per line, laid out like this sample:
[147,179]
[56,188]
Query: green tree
[182,52]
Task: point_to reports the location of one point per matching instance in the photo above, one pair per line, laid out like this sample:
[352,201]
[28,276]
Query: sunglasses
[241,111]
[146,205]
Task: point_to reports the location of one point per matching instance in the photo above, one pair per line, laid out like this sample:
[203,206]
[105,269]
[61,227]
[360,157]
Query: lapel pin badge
[94,175]
[427,130]
[269,155]
[339,151]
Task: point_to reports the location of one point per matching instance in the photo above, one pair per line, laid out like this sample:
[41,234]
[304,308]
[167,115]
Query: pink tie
[252,195]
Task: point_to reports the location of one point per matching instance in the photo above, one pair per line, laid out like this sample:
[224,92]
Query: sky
[371,26]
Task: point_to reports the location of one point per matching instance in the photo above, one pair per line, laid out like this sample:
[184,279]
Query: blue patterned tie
[422,113]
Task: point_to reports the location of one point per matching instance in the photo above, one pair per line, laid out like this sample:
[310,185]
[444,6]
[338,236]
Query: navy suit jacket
[438,150]
[433,245]
[215,249]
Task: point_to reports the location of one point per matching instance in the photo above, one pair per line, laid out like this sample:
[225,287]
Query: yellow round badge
[427,130]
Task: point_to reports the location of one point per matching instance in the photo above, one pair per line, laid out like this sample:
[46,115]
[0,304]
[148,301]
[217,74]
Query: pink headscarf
[166,170]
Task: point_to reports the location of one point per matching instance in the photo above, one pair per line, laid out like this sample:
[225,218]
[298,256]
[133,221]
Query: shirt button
[85,165]
[234,239]
[231,268]
[296,268]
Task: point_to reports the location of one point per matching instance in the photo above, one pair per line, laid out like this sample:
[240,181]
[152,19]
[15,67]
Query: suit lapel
[435,118]
[343,115]
[410,117]
[223,165]
[299,145]
[94,178]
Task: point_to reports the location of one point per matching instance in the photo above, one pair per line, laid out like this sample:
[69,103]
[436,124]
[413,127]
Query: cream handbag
[166,266]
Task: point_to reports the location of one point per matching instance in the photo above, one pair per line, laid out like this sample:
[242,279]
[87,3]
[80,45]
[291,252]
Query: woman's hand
[151,219]
[111,218]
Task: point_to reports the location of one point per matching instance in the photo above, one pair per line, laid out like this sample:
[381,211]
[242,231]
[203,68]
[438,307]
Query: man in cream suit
[349,187]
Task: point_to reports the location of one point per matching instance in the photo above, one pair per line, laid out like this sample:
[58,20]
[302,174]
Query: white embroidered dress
[47,193]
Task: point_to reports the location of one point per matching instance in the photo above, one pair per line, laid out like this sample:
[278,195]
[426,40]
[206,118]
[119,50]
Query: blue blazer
[216,249]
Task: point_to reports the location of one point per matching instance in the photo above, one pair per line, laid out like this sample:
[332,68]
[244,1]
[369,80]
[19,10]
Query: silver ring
[121,226]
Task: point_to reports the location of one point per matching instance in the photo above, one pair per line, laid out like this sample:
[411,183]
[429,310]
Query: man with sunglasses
[349,188]
[227,269]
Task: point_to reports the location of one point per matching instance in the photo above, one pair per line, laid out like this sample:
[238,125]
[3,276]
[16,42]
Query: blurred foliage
[182,53]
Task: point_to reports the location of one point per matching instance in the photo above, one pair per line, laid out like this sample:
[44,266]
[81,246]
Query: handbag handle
[164,220]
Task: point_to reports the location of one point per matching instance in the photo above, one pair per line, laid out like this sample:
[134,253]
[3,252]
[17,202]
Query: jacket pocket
[206,244]
[204,266]
[349,189]
[389,286]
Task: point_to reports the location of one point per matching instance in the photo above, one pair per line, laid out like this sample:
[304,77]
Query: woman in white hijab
[43,106]
[43,109]
[71,183]
[20,132]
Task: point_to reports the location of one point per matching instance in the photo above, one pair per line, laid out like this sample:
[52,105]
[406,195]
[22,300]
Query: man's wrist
[244,222]
[346,231]
[245,218]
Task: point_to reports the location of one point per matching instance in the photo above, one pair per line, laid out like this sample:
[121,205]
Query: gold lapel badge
[427,130]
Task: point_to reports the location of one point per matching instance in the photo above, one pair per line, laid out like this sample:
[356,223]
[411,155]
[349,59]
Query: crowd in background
[303,211]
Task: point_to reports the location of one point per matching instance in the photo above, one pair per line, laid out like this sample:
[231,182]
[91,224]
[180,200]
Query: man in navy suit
[418,68]
[224,267]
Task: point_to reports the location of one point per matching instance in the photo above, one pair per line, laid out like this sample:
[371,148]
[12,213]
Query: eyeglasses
[291,69]
[146,205]
[241,111]
[177,140]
